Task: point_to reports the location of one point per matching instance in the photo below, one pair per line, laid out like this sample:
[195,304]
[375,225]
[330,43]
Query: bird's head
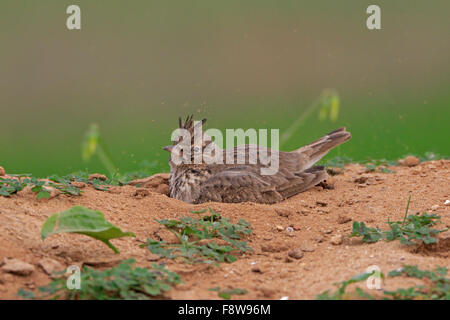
[188,140]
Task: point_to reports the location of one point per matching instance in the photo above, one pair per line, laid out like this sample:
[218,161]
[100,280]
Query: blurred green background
[137,65]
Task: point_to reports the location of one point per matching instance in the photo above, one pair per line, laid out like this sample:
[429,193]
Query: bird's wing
[294,161]
[244,183]
[239,176]
[302,181]
[239,183]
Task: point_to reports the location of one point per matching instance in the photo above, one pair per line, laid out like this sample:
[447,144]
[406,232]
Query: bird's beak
[168,148]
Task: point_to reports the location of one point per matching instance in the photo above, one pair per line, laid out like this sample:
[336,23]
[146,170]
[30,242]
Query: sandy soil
[321,218]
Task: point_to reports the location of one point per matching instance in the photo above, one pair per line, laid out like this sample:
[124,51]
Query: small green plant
[341,294]
[371,167]
[121,282]
[412,227]
[337,164]
[436,286]
[386,170]
[227,293]
[415,228]
[191,231]
[98,184]
[82,220]
[13,185]
[64,184]
[10,186]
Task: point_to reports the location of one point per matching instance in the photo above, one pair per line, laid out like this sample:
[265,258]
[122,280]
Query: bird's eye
[196,149]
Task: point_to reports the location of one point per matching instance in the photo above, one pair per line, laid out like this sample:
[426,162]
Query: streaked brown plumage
[198,183]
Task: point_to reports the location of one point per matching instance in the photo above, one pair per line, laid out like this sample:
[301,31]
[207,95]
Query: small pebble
[282,212]
[141,192]
[18,267]
[343,219]
[296,254]
[321,203]
[256,269]
[267,292]
[409,161]
[337,239]
[50,266]
[78,184]
[308,247]
[318,238]
[153,257]
[163,189]
[97,176]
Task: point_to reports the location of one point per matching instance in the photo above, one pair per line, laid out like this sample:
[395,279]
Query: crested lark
[202,182]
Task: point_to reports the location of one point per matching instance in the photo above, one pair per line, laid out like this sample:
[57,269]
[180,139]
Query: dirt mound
[299,262]
[440,249]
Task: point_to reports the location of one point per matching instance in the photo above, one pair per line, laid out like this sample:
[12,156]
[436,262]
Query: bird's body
[198,183]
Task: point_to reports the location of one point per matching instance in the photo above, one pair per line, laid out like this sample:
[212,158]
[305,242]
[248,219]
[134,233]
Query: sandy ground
[321,218]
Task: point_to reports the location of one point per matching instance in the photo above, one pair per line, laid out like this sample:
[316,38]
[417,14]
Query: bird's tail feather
[319,148]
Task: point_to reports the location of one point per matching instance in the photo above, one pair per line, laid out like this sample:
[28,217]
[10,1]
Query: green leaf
[224,295]
[83,221]
[25,294]
[361,277]
[36,188]
[43,195]
[363,294]
[227,293]
[198,212]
